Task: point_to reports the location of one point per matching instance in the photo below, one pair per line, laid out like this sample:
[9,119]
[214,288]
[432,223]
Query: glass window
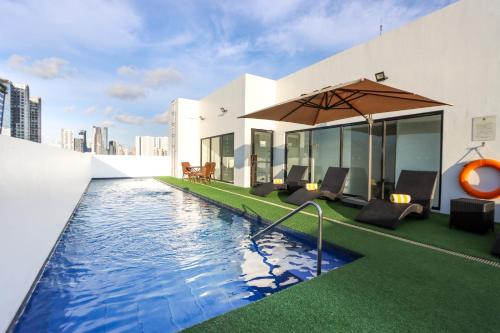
[205,151]
[325,151]
[220,150]
[355,157]
[215,155]
[418,146]
[297,149]
[228,157]
[262,148]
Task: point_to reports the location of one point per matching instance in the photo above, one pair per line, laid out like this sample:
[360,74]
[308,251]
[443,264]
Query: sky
[120,63]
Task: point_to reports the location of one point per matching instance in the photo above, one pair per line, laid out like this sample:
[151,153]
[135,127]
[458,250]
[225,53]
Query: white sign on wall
[484,128]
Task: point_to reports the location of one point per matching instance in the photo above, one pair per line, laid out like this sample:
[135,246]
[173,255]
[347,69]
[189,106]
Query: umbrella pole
[369,119]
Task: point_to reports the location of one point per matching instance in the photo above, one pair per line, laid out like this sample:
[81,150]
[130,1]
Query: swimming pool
[139,255]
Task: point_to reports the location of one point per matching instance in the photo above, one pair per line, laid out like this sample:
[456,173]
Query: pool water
[141,256]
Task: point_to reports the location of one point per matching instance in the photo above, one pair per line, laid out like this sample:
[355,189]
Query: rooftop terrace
[421,277]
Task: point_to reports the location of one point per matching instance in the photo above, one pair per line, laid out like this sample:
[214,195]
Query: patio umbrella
[357,98]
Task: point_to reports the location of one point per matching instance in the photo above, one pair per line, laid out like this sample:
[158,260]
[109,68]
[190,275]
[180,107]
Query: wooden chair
[206,172]
[186,171]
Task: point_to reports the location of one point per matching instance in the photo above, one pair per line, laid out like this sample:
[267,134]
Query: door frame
[271,165]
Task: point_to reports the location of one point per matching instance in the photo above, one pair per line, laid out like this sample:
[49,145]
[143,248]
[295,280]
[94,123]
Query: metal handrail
[292,213]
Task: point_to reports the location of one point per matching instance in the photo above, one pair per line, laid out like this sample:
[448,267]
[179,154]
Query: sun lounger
[420,185]
[331,188]
[496,247]
[293,182]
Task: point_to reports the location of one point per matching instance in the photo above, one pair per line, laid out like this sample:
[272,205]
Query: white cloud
[106,123]
[158,77]
[109,110]
[46,68]
[264,10]
[89,111]
[162,118]
[53,24]
[129,119]
[126,92]
[70,109]
[127,70]
[232,49]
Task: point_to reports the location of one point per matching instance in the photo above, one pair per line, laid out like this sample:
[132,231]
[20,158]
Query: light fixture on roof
[223,109]
[202,118]
[380,76]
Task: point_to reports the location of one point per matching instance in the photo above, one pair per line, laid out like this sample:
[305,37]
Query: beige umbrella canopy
[358,98]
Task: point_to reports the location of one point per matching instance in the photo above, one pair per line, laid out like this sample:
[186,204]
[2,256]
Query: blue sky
[120,63]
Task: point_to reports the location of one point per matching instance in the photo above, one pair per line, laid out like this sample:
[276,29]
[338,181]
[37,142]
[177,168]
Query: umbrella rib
[295,109]
[405,98]
[342,101]
[350,105]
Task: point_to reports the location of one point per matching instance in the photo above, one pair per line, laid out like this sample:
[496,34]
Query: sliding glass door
[220,150]
[325,145]
[262,148]
[406,143]
[297,146]
[227,167]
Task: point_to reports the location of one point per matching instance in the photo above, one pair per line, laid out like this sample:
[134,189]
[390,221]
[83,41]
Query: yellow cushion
[277,181]
[311,186]
[400,198]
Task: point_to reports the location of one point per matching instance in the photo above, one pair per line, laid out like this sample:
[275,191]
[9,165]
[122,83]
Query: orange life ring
[464,175]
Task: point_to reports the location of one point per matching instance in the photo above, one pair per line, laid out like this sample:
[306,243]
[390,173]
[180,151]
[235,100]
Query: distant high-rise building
[35,120]
[4,108]
[105,140]
[78,145]
[99,145]
[151,145]
[67,141]
[112,147]
[20,111]
[83,133]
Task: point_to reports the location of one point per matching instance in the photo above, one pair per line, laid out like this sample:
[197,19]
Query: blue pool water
[140,256]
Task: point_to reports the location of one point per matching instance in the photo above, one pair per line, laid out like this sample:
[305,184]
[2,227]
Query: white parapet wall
[40,186]
[117,166]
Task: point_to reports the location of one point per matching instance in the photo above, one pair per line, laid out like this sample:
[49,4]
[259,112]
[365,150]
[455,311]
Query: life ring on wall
[471,190]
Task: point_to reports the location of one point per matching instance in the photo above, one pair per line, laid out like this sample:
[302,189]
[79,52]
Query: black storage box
[472,214]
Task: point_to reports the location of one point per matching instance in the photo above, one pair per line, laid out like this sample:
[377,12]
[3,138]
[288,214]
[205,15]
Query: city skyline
[123,70]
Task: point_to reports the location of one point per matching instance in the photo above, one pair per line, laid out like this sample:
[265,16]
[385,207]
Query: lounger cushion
[386,214]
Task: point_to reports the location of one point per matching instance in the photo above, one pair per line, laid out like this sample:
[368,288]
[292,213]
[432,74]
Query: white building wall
[184,134]
[125,166]
[451,55]
[40,186]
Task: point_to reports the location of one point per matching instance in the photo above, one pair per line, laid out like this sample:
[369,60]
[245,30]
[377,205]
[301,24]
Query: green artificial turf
[394,287]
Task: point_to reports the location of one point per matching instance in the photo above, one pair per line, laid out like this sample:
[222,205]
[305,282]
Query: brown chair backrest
[208,169]
[186,167]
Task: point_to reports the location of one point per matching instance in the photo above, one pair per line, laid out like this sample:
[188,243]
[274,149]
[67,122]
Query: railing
[292,213]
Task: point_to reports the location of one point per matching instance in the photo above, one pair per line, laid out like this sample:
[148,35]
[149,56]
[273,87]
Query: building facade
[35,119]
[67,141]
[78,145]
[99,144]
[4,117]
[151,145]
[427,56]
[20,111]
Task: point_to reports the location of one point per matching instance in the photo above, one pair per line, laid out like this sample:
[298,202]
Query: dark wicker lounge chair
[331,188]
[496,247]
[420,185]
[292,183]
